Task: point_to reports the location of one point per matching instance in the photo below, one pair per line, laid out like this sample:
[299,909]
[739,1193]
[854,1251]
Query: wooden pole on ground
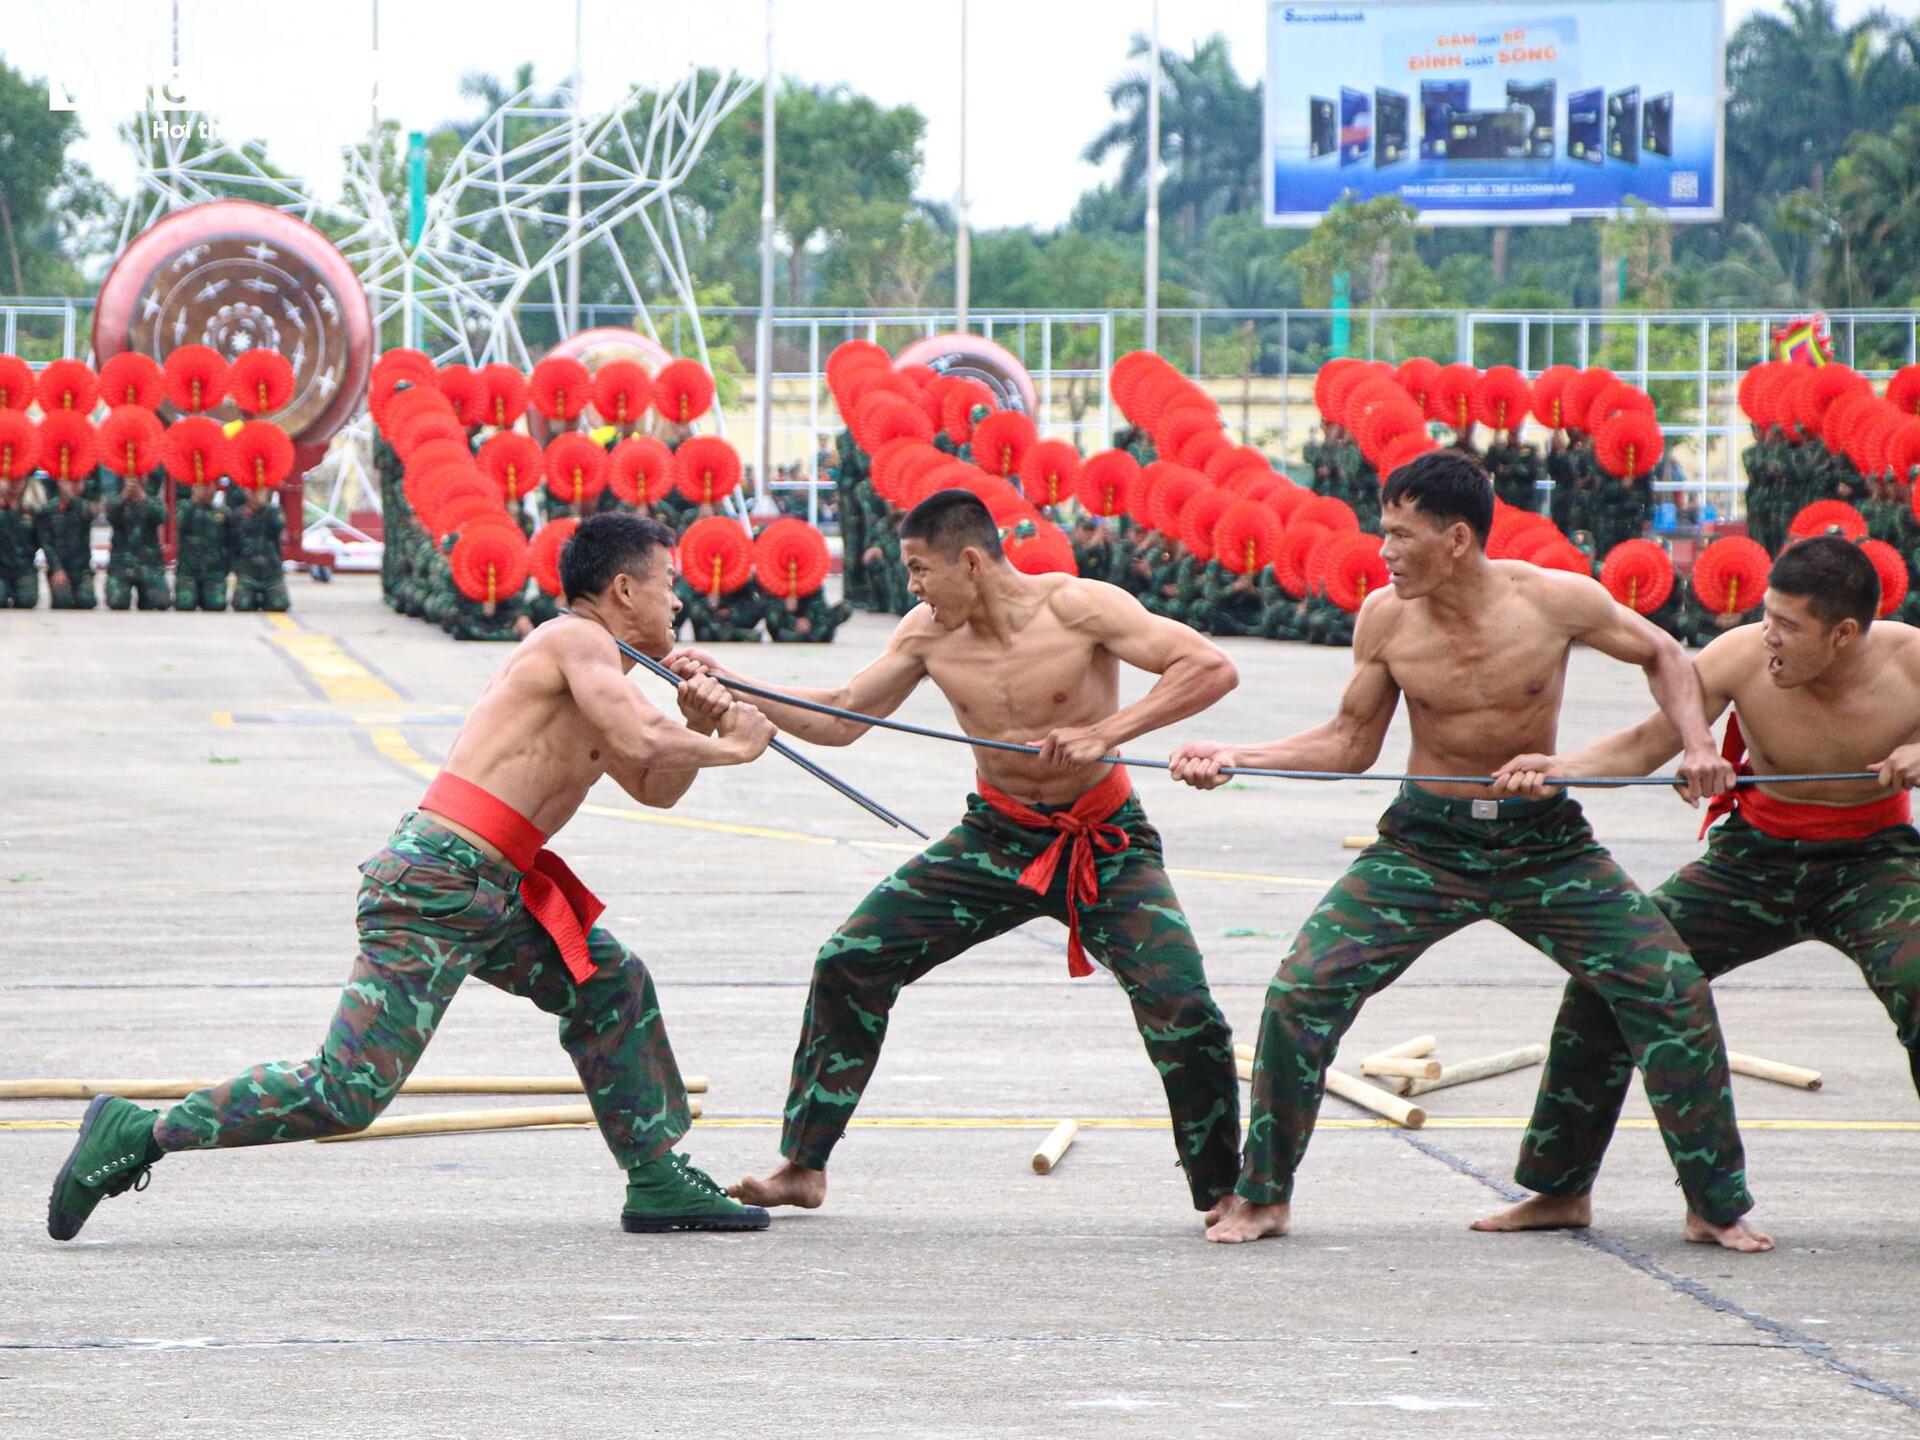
[1407,1049]
[1404,1066]
[453,1122]
[417,1085]
[1484,1068]
[1054,1146]
[1774,1070]
[1372,1097]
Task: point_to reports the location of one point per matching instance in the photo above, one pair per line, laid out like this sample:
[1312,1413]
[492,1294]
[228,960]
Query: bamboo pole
[1484,1068]
[1054,1146]
[1407,1049]
[58,1089]
[1774,1070]
[1372,1097]
[452,1122]
[1405,1066]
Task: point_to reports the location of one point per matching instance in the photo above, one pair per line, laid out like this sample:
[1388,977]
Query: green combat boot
[112,1154]
[672,1193]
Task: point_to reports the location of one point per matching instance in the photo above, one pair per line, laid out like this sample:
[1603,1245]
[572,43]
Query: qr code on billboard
[1684,185]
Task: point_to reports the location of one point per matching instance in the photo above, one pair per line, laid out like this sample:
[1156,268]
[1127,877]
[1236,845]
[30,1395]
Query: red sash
[1790,820]
[553,894]
[1081,824]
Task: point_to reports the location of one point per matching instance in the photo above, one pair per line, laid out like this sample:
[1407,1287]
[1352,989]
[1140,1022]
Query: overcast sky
[1038,72]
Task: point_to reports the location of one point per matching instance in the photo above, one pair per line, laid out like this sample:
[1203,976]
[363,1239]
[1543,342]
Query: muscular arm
[638,736]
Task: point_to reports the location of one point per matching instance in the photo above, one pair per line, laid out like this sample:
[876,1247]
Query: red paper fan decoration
[1752,386]
[1451,402]
[1781,399]
[1416,377]
[1903,451]
[464,391]
[1387,424]
[513,462]
[503,396]
[1179,424]
[1106,480]
[1203,447]
[1404,451]
[69,445]
[956,411]
[130,440]
[716,557]
[1873,437]
[1129,373]
[1562,554]
[131,378]
[1374,390]
[1347,383]
[466,509]
[489,564]
[1549,395]
[434,453]
[1290,560]
[682,391]
[576,468]
[1510,525]
[1824,515]
[543,552]
[16,383]
[1582,389]
[560,388]
[260,455]
[260,381]
[1001,440]
[640,470]
[423,491]
[1049,472]
[1730,575]
[1165,394]
[1326,379]
[1317,557]
[68,385]
[1617,399]
[19,445]
[196,377]
[406,406]
[622,392]
[853,353]
[1200,518]
[706,469]
[424,428]
[1841,416]
[1237,460]
[1639,574]
[1501,399]
[1354,570]
[1629,445]
[919,376]
[1327,510]
[1892,569]
[1247,537]
[883,416]
[790,558]
[1171,496]
[194,450]
[1829,383]
[1041,548]
[402,360]
[878,381]
[1903,390]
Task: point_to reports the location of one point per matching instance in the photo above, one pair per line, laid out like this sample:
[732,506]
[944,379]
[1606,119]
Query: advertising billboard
[1477,112]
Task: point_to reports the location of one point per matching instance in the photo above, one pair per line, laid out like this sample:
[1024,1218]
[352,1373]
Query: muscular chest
[1041,682]
[1490,671]
[1785,733]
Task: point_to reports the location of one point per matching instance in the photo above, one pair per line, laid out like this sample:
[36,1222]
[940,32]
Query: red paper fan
[790,558]
[130,440]
[1290,560]
[1403,452]
[194,450]
[1200,518]
[956,411]
[1385,425]
[260,381]
[16,383]
[436,452]
[560,388]
[1451,402]
[1549,395]
[682,391]
[576,468]
[68,385]
[915,461]
[919,376]
[1106,480]
[716,557]
[1374,391]
[424,428]
[503,396]
[196,377]
[1903,450]
[1780,399]
[1237,460]
[1203,447]
[1129,373]
[1841,416]
[1354,570]
[706,469]
[131,378]
[1639,574]
[622,392]
[640,470]
[862,384]
[1247,537]
[1873,438]
[1824,515]
[1192,417]
[424,490]
[513,462]
[1829,383]
[489,564]
[543,552]
[402,361]
[1343,386]
[1161,396]
[1049,471]
[882,416]
[1510,525]
[1892,569]
[1501,399]
[1903,390]
[854,352]
[1171,496]
[1282,496]
[1730,575]
[69,445]
[405,406]
[1629,445]
[1562,554]
[1416,377]
[19,445]
[1002,440]
[464,391]
[1581,391]
[260,455]
[1752,385]
[1325,381]
[1041,547]
[466,507]
[1617,399]
[1317,557]
[1328,510]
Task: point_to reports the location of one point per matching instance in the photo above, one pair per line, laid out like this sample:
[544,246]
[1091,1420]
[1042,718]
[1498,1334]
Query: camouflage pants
[148,582]
[963,890]
[79,593]
[1536,871]
[20,590]
[196,589]
[1750,895]
[268,592]
[433,910]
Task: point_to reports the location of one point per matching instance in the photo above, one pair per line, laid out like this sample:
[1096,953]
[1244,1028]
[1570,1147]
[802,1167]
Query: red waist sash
[1793,820]
[1081,824]
[554,896]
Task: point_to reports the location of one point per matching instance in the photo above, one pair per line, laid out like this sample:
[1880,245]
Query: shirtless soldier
[464,888]
[1060,834]
[1480,648]
[1819,687]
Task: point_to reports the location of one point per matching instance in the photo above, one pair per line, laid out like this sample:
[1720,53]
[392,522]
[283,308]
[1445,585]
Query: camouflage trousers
[1536,871]
[195,588]
[964,890]
[20,589]
[147,582]
[1750,895]
[79,593]
[434,910]
[260,592]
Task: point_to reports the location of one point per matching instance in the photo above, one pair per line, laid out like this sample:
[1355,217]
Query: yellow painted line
[341,678]
[281,621]
[721,827]
[392,744]
[223,717]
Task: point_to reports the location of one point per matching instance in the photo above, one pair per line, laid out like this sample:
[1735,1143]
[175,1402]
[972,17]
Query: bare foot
[1540,1212]
[1737,1236]
[791,1184]
[1242,1220]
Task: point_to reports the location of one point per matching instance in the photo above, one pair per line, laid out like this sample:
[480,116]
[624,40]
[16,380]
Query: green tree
[50,205]
[1875,195]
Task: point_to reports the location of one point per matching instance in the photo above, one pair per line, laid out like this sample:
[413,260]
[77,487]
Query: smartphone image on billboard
[1587,126]
[1389,127]
[1623,125]
[1656,126]
[1322,129]
[1537,99]
[1438,100]
[1356,125]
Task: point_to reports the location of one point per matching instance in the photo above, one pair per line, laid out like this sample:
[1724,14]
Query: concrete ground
[187,800]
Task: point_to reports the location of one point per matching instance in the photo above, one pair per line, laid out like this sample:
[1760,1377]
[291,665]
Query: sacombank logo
[1323,17]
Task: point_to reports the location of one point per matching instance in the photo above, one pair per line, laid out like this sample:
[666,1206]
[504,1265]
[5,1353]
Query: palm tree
[1875,196]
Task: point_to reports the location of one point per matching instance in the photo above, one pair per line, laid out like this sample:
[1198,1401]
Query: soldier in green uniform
[1099,552]
[1516,473]
[1228,604]
[136,566]
[19,581]
[1168,585]
[801,618]
[260,578]
[64,528]
[202,565]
